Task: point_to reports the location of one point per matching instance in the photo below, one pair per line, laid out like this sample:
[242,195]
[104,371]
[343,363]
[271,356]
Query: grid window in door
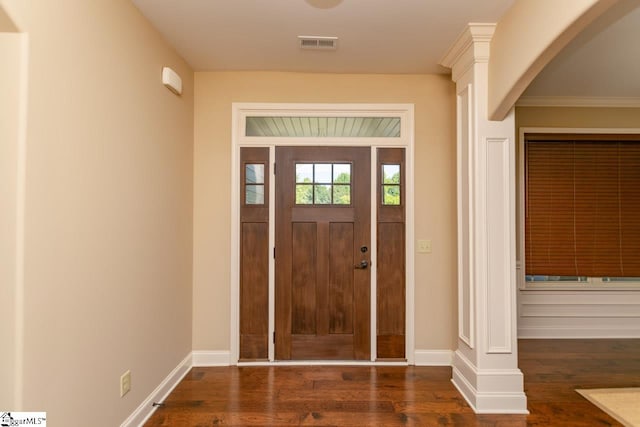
[323,184]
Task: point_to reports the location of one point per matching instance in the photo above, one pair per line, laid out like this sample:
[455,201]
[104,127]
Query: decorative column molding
[485,365]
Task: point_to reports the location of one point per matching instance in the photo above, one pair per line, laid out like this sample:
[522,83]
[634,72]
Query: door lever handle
[363,265]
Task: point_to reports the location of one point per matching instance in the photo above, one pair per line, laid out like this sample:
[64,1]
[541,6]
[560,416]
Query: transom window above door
[323,183]
[324,127]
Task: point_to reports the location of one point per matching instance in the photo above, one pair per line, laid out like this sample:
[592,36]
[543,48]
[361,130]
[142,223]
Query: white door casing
[240,111]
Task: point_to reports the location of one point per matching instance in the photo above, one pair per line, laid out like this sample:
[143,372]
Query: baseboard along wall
[146,408]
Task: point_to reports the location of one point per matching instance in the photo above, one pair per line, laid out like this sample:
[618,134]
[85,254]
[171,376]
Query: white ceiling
[387,36]
[375,36]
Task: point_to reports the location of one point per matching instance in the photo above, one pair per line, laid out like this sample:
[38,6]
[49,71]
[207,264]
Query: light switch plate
[424,246]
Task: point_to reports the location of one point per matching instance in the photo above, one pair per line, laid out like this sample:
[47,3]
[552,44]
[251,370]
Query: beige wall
[527,37]
[11,75]
[435,188]
[6,23]
[577,117]
[108,223]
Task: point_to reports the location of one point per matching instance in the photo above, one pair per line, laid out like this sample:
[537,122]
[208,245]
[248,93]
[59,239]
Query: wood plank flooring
[398,396]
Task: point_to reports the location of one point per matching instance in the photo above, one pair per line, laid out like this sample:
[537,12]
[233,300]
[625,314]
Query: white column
[485,365]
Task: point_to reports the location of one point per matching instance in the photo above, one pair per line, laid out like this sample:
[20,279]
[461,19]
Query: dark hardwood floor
[390,396]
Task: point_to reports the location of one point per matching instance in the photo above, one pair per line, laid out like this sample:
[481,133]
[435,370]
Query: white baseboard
[433,357]
[144,411]
[489,391]
[211,358]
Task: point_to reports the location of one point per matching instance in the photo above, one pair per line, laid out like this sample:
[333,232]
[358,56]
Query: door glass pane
[323,184]
[254,194]
[341,194]
[391,195]
[391,184]
[304,172]
[322,173]
[342,173]
[322,194]
[391,174]
[304,194]
[254,173]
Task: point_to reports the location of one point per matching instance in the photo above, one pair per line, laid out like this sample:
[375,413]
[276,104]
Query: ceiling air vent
[318,43]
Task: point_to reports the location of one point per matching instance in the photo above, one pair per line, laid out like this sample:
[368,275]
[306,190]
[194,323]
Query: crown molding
[471,46]
[578,101]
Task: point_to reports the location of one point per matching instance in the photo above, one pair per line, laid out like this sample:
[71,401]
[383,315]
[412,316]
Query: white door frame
[240,111]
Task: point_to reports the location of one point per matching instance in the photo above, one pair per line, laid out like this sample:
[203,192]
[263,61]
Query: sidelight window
[391,184]
[254,184]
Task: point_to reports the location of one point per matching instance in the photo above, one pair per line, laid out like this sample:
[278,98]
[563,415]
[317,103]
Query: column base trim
[489,391]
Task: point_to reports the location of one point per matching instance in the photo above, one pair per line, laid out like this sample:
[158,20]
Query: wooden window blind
[582,205]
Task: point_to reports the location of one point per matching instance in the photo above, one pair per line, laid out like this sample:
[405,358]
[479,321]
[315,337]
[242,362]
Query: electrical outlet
[125,383]
[424,246]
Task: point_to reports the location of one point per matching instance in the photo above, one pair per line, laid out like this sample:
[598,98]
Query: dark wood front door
[323,236]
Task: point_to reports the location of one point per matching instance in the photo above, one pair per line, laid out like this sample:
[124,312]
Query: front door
[323,235]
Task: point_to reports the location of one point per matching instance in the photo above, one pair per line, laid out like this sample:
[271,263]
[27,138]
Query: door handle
[362,266]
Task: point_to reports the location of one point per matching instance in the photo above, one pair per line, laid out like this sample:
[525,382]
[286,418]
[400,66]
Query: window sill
[563,286]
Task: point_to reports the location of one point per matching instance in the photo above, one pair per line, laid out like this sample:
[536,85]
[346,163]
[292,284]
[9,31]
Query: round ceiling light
[324,4]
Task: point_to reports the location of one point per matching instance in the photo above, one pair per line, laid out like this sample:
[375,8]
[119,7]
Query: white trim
[373,253]
[433,357]
[497,399]
[203,358]
[324,363]
[234,289]
[146,408]
[410,239]
[272,261]
[471,46]
[244,110]
[238,139]
[578,101]
[466,300]
[591,330]
[524,130]
[592,284]
[498,172]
